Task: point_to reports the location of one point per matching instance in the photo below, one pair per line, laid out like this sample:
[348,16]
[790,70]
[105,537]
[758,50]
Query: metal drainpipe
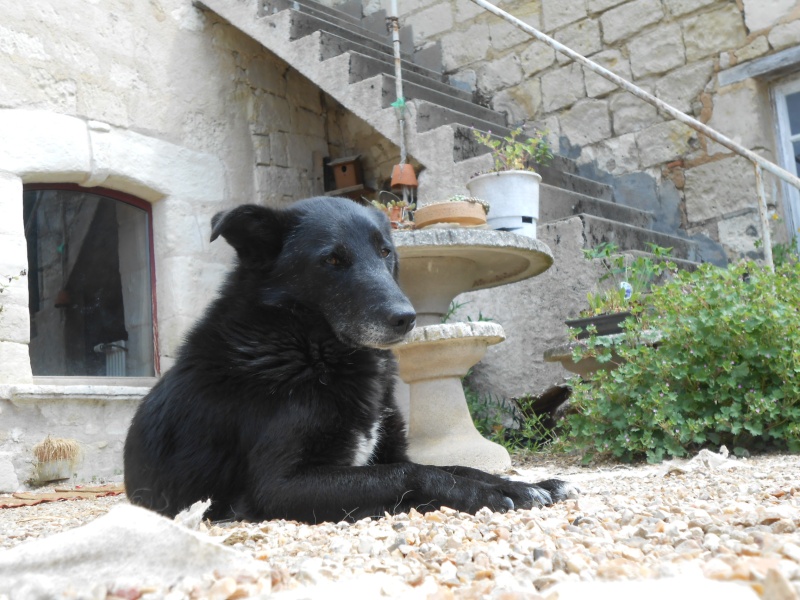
[393,23]
[758,161]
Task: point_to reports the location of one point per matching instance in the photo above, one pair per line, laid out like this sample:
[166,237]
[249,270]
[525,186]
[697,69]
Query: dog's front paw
[558,490]
[544,493]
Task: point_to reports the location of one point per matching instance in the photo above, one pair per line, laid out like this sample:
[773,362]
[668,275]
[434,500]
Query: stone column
[15,364]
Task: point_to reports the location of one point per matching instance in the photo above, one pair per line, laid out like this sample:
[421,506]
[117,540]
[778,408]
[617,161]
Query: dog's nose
[403,322]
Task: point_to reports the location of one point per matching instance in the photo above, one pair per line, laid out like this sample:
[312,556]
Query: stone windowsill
[79,390]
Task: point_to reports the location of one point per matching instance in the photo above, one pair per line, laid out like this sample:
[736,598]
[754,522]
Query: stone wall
[166,103]
[674,49]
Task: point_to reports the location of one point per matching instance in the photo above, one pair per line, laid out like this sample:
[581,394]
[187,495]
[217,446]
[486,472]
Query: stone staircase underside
[355,66]
[365,98]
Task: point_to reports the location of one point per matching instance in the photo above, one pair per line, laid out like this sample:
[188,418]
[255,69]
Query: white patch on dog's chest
[365,445]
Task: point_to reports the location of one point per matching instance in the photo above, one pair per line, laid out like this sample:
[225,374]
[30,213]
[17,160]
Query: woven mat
[77,493]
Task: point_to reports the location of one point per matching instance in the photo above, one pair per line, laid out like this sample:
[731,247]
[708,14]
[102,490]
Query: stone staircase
[351,59]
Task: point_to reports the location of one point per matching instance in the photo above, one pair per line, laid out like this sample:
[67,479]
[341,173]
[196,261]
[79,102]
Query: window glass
[796,149]
[89,285]
[793,106]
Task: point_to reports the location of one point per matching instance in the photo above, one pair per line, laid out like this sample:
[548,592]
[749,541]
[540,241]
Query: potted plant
[512,187]
[623,289]
[399,211]
[55,459]
[464,211]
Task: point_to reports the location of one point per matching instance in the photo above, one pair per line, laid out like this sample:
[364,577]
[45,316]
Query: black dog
[280,404]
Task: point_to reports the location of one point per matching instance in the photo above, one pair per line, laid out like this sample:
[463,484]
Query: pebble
[738,524]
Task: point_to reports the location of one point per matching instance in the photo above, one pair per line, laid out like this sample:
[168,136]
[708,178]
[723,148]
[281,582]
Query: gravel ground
[712,519]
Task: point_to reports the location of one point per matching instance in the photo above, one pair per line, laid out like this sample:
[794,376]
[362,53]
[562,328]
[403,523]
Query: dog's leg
[352,493]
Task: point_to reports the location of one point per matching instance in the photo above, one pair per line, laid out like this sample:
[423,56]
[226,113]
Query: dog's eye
[333,260]
[385,252]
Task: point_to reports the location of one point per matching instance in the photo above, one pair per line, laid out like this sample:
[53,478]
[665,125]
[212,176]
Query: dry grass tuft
[52,448]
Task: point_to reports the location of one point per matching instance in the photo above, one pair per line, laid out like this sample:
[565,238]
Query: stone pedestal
[435,266]
[440,430]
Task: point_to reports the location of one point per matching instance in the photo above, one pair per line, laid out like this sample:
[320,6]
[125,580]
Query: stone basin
[436,265]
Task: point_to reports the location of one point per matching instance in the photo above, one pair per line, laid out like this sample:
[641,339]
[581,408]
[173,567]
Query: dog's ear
[255,232]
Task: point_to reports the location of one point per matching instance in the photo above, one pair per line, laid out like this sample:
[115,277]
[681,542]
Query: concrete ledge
[96,416]
[26,394]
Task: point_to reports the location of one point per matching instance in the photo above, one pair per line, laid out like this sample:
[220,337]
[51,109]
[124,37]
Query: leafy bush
[510,423]
[725,371]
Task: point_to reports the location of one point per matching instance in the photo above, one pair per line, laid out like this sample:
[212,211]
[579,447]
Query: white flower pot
[513,198]
[54,470]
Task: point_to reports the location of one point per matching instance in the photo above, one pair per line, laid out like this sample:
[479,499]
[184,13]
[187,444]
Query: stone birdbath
[436,265]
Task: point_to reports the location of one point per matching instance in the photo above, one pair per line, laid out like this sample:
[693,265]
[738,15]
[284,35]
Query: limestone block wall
[138,79]
[672,48]
[161,101]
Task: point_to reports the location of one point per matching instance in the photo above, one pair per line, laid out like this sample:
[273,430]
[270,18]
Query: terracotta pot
[403,175]
[462,213]
[513,198]
[395,214]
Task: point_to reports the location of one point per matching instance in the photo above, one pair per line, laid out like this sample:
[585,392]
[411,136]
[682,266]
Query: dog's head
[329,255]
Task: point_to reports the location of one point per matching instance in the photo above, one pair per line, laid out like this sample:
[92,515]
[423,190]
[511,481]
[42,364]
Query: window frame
[147,207]
[786,157]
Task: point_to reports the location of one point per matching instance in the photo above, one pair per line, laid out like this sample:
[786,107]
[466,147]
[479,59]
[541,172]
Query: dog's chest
[365,443]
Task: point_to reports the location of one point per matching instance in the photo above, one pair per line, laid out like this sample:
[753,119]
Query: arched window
[90,281]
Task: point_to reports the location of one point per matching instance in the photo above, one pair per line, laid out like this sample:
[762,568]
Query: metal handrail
[759,162]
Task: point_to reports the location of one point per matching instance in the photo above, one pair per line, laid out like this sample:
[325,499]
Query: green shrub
[726,370]
[510,423]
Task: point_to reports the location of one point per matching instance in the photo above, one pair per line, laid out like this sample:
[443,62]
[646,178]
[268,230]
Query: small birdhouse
[347,171]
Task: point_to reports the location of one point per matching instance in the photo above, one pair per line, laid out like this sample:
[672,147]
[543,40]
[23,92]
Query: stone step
[341,17]
[563,164]
[364,66]
[431,57]
[468,147]
[354,8]
[373,26]
[333,45]
[557,203]
[444,101]
[597,230]
[304,24]
[376,22]
[431,115]
[556,177]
